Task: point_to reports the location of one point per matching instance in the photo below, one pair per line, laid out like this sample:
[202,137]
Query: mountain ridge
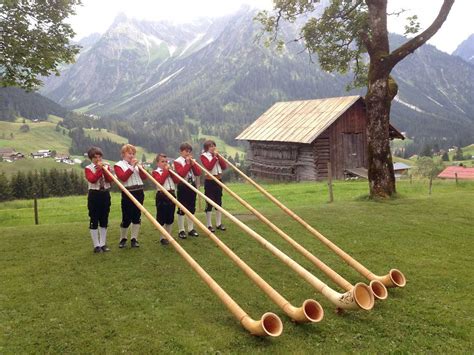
[223,78]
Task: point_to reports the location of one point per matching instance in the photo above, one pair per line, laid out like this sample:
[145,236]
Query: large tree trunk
[378,100]
[381,175]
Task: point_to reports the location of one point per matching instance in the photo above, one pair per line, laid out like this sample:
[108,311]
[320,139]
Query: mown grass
[57,296]
[42,135]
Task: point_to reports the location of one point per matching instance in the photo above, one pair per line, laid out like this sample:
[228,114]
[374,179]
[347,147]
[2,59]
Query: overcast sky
[98,15]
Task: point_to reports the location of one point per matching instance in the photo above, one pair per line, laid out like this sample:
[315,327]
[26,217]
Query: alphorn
[377,287]
[268,325]
[394,278]
[310,311]
[361,297]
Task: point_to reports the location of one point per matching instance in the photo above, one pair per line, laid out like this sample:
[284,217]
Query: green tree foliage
[428,167]
[5,189]
[17,102]
[42,184]
[426,151]
[35,40]
[81,143]
[445,156]
[342,36]
[458,155]
[19,186]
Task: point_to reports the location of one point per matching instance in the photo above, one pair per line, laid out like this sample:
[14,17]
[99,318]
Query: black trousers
[187,197]
[130,212]
[98,204]
[214,191]
[164,208]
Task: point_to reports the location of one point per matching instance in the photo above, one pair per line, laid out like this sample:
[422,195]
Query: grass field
[59,297]
[42,135]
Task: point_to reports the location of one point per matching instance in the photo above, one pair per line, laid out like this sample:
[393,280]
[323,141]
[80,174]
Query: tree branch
[409,47]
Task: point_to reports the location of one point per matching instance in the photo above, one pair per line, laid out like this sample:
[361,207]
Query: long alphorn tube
[378,289]
[310,311]
[359,298]
[394,278]
[268,325]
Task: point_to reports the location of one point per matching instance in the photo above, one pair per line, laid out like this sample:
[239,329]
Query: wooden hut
[294,141]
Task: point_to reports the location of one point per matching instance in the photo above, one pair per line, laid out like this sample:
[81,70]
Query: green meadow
[59,297]
[42,135]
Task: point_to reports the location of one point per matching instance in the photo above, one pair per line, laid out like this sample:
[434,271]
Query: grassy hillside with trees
[31,136]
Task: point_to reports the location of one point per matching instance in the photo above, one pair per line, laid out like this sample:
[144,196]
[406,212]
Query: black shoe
[182,235]
[105,248]
[212,230]
[134,243]
[164,241]
[97,250]
[221,227]
[193,233]
[123,243]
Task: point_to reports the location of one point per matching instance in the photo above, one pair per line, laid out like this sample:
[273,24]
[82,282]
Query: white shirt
[96,185]
[216,170]
[169,183]
[135,178]
[190,175]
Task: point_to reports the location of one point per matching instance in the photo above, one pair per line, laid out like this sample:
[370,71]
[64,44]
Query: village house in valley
[42,153]
[10,154]
[295,140]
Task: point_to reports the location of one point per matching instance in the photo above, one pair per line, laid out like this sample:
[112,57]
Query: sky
[98,15]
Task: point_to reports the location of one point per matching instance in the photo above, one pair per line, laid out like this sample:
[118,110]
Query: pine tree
[458,155]
[5,189]
[54,183]
[67,187]
[19,185]
[43,189]
[426,151]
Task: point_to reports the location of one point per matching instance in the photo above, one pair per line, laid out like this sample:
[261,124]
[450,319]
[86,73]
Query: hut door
[353,150]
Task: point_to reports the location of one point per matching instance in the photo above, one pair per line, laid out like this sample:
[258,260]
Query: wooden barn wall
[273,160]
[321,149]
[352,121]
[305,164]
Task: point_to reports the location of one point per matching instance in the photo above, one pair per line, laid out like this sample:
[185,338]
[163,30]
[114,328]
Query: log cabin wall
[305,163]
[322,153]
[273,160]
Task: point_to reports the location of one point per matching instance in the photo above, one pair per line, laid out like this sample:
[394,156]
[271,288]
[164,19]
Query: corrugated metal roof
[401,166]
[297,121]
[462,172]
